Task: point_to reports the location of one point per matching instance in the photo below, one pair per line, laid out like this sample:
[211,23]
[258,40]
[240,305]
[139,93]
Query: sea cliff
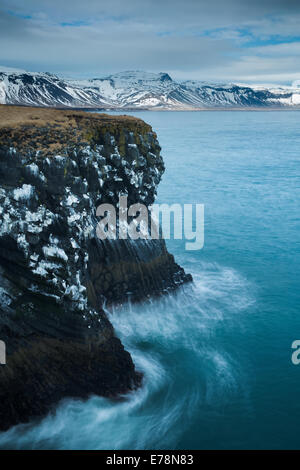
[56,167]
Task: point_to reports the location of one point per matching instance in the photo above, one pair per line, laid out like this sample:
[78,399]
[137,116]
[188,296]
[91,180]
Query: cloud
[177,12]
[197,39]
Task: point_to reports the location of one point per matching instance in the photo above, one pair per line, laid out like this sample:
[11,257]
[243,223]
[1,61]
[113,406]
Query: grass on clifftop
[52,130]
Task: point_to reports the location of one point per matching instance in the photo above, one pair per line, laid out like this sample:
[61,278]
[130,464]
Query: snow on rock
[2,93]
[296,99]
[53,251]
[137,89]
[25,192]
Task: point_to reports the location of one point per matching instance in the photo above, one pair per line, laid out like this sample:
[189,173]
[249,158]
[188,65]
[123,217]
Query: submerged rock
[55,274]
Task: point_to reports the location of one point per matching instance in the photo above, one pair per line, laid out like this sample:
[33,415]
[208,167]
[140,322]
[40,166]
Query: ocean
[216,355]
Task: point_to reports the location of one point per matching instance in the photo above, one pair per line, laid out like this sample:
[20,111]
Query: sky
[254,41]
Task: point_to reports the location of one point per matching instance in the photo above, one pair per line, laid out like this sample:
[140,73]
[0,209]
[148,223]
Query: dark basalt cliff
[56,167]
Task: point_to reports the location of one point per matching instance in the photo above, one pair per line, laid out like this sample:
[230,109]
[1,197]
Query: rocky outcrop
[55,275]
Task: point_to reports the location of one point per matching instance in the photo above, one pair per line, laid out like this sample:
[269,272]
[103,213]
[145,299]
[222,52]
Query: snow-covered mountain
[137,89]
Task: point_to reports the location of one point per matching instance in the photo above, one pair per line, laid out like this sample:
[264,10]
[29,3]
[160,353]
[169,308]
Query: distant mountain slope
[138,90]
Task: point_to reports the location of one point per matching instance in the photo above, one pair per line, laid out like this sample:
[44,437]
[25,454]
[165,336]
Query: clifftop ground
[50,130]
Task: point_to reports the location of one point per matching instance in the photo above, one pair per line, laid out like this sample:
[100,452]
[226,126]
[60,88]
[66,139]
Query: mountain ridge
[139,90]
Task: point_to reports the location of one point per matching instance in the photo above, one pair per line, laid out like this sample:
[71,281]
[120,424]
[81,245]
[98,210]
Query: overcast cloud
[206,40]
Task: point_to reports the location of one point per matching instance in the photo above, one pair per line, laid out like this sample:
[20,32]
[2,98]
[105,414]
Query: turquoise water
[217,355]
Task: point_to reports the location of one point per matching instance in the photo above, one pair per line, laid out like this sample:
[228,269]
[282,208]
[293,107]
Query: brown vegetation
[51,130]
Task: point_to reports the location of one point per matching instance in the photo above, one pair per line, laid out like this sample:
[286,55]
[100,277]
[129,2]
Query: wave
[181,342]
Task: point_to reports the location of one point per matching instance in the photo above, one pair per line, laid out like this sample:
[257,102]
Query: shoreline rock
[55,274]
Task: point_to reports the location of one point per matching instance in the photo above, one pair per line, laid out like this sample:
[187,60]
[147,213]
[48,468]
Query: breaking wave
[181,342]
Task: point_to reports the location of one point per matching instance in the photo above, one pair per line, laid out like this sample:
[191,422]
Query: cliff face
[56,167]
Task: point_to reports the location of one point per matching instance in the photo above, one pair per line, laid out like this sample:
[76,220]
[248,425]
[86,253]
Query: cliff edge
[56,167]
